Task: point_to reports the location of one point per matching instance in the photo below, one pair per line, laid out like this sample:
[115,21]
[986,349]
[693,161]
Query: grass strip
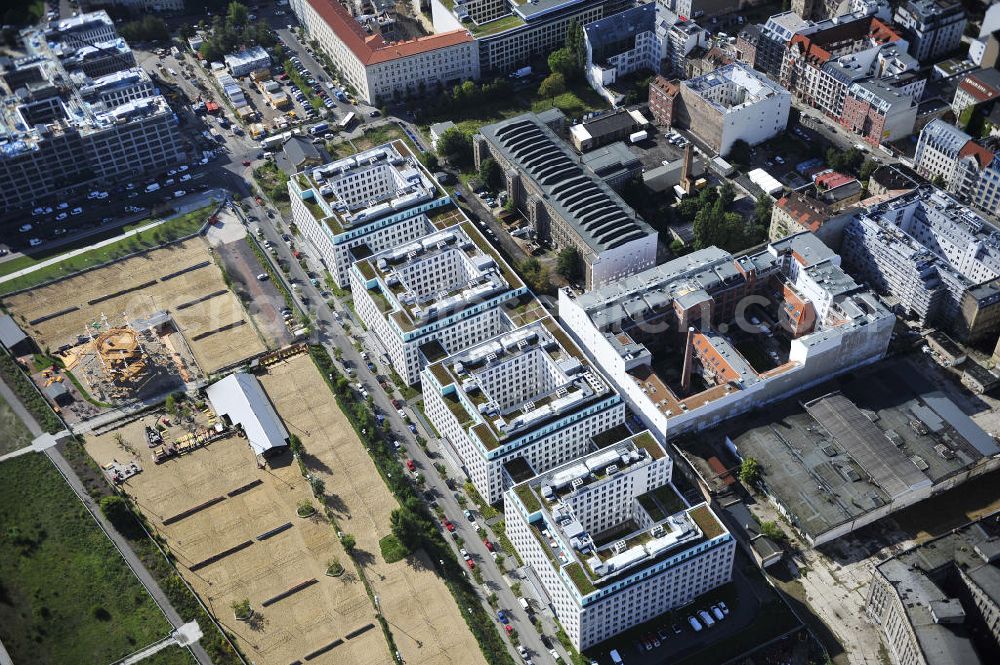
[27,393]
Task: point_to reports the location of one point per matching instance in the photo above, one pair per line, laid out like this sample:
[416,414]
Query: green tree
[553,85]
[116,509]
[772,530]
[409,528]
[563,61]
[242,609]
[295,445]
[569,264]
[456,147]
[170,405]
[237,15]
[866,170]
[536,276]
[490,174]
[762,209]
[349,542]
[318,487]
[938,181]
[576,46]
[739,153]
[432,162]
[749,473]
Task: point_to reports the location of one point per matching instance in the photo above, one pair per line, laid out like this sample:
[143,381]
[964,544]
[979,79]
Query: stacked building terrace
[357,206]
[709,335]
[518,404]
[435,295]
[612,540]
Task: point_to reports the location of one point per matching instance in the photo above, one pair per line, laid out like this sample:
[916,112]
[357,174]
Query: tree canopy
[553,85]
[235,31]
[569,263]
[491,174]
[456,147]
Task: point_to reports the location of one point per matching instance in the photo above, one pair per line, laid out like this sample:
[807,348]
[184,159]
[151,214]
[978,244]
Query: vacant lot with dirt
[180,278]
[422,614]
[236,536]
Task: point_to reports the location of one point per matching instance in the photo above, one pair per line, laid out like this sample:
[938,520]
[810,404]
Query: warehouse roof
[590,206]
[240,397]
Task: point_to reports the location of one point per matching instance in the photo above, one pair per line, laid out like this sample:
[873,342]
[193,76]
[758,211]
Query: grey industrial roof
[241,397]
[10,333]
[869,438]
[582,199]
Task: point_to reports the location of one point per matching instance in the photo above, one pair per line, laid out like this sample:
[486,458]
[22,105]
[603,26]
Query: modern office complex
[380,70]
[933,27]
[707,336]
[518,404]
[939,602]
[360,205]
[938,260]
[733,103]
[68,117]
[612,541]
[564,201]
[436,295]
[861,447]
[509,34]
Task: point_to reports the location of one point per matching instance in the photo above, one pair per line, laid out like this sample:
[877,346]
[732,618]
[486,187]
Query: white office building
[730,104]
[518,404]
[360,205]
[378,69]
[612,541]
[434,296]
[709,336]
[249,60]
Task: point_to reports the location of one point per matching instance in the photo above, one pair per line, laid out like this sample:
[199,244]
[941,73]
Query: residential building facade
[934,28]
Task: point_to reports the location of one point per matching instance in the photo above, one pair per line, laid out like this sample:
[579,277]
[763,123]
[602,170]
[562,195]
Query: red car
[448,525]
[397,403]
[488,544]
[246,162]
[471,563]
[509,628]
[410,465]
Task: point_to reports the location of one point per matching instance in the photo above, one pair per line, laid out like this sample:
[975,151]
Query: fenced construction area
[421,613]
[236,535]
[180,279]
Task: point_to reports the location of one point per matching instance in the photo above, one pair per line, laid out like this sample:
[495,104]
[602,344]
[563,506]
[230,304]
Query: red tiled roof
[981,154]
[832,179]
[808,212]
[373,49]
[813,46]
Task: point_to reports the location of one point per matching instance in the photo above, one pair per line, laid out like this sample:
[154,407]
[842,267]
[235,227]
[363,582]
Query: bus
[347,121]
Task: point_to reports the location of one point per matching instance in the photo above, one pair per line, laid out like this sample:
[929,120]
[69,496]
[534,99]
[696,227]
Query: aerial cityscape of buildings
[575,330]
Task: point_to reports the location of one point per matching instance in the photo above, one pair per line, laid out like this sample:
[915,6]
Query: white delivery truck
[616,657]
[638,137]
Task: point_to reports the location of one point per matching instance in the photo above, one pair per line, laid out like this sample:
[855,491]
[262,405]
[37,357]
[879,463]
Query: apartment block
[518,404]
[708,336]
[733,103]
[963,167]
[565,202]
[613,542]
[934,28]
[932,256]
[978,87]
[380,69]
[67,118]
[361,205]
[796,212]
[938,603]
[879,112]
[432,297]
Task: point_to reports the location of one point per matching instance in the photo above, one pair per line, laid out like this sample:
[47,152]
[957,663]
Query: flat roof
[10,333]
[857,442]
[241,397]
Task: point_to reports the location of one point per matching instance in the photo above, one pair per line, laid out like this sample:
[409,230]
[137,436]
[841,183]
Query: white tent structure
[240,397]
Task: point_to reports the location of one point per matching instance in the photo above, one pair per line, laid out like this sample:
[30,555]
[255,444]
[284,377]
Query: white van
[152,187]
[706,618]
[615,657]
[694,624]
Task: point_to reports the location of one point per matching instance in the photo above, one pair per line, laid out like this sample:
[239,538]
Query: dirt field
[421,612]
[290,628]
[213,351]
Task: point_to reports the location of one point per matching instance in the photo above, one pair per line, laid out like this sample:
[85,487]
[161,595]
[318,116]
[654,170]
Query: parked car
[34,242]
[448,525]
[469,516]
[77,211]
[25,228]
[410,465]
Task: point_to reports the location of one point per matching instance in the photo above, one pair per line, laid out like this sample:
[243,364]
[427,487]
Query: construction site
[138,328]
